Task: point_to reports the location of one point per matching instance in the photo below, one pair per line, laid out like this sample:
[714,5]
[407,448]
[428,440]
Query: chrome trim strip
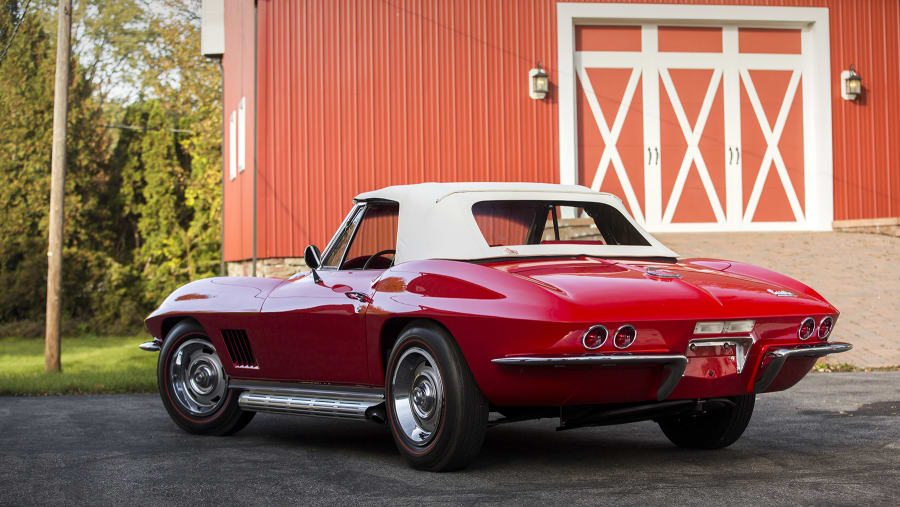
[302,405]
[657,273]
[605,336]
[301,389]
[780,356]
[830,327]
[617,333]
[674,365]
[800,329]
[307,399]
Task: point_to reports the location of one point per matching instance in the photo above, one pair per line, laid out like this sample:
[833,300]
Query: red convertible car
[444,309]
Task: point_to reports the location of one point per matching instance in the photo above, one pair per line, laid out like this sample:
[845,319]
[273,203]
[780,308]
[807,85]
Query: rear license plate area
[717,357]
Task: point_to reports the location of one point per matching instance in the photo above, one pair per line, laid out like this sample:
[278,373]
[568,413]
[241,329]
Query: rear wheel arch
[394,327]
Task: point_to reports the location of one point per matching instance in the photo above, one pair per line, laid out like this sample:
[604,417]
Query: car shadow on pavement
[320,433]
[512,446]
[598,449]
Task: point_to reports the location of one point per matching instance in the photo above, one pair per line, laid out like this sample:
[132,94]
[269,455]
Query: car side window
[334,255]
[373,244]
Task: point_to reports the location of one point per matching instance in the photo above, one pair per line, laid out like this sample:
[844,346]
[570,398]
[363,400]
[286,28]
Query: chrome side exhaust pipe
[320,401]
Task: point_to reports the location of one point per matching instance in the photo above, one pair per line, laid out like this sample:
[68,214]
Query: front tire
[714,430]
[437,414]
[193,385]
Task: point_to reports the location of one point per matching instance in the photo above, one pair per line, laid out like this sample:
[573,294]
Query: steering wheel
[376,255]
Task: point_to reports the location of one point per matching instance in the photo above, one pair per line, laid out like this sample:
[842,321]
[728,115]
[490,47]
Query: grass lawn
[90,364]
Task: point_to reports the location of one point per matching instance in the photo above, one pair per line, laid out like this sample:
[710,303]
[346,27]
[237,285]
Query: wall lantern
[538,82]
[852,84]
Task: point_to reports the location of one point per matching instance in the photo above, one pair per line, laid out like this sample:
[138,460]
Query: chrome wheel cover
[417,396]
[196,377]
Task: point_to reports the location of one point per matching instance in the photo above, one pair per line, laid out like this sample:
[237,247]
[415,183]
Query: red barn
[700,116]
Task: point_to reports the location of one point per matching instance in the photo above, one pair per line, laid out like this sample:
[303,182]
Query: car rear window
[509,223]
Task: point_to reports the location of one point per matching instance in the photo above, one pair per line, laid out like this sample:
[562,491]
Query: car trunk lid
[662,289]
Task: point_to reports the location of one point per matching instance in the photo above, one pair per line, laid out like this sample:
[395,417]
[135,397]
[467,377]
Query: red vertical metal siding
[867,131]
[237,64]
[359,95]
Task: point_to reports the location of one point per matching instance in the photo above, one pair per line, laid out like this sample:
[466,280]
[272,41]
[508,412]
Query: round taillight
[625,336]
[825,328]
[807,327]
[594,337]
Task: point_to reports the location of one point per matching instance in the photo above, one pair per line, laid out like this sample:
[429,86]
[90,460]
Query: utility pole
[57,186]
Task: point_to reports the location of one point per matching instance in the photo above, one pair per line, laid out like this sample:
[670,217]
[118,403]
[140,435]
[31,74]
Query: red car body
[302,331]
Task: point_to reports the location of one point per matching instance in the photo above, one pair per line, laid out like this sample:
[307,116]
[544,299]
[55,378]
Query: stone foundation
[278,267]
[884,226]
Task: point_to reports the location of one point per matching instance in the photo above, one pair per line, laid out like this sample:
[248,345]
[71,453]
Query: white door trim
[816,64]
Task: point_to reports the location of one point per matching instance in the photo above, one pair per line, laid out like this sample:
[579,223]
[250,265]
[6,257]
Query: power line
[14,32]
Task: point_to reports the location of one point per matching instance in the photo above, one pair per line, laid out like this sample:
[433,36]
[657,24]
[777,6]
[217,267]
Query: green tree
[26,115]
[180,220]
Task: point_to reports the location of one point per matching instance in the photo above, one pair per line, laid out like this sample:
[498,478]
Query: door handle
[738,152]
[359,296]
[656,149]
[730,155]
[649,157]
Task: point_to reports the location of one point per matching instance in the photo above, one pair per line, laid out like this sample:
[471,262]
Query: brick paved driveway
[857,273]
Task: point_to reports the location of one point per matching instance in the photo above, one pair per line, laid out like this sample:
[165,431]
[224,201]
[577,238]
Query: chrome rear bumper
[673,364]
[780,356]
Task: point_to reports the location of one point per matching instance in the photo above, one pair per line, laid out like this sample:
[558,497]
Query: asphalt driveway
[834,438]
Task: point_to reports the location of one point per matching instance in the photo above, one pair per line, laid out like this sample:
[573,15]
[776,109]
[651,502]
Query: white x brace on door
[692,155]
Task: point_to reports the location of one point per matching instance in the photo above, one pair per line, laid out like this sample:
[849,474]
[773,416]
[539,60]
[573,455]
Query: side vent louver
[239,348]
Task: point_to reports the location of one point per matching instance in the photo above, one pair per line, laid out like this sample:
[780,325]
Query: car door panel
[318,329]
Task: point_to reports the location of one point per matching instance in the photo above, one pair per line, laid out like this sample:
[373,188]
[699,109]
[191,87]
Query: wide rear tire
[436,412]
[193,385]
[714,430]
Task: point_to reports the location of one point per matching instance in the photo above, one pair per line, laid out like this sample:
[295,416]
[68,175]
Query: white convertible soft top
[436,221]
